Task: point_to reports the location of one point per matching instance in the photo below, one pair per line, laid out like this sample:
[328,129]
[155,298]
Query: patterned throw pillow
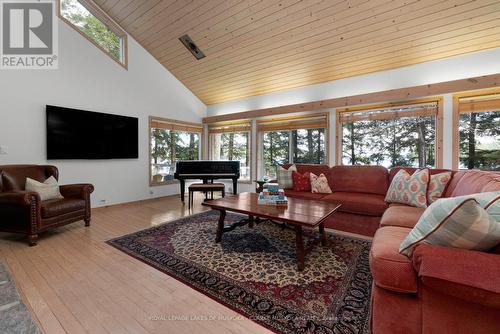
[468,222]
[409,189]
[301,182]
[437,185]
[47,190]
[284,176]
[319,184]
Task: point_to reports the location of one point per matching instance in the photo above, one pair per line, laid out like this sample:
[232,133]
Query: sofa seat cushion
[391,270]
[57,207]
[360,203]
[303,194]
[401,215]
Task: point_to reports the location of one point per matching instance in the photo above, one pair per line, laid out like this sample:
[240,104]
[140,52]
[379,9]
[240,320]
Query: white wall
[88,79]
[455,68]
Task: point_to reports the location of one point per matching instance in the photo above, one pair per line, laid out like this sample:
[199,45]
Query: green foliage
[169,146]
[307,145]
[234,146]
[73,11]
[408,141]
[276,150]
[480,140]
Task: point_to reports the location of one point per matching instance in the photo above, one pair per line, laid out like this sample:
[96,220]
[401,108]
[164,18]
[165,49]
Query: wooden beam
[400,94]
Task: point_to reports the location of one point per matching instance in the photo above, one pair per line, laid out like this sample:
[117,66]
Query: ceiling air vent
[189,44]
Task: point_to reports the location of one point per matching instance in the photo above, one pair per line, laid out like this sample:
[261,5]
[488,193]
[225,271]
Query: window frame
[176,125]
[261,129]
[234,127]
[438,145]
[456,120]
[101,15]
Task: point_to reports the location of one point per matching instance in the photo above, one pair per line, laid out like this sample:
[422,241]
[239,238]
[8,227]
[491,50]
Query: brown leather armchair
[24,212]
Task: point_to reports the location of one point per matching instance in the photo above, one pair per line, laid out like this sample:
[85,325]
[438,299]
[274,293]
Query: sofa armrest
[80,191]
[469,275]
[19,198]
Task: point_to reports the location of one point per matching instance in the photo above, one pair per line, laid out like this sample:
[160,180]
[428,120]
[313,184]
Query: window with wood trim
[391,135]
[94,24]
[477,131]
[296,139]
[171,141]
[232,141]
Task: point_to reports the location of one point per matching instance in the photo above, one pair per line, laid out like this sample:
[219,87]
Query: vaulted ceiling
[254,47]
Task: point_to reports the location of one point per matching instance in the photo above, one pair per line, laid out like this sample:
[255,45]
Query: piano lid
[207,167]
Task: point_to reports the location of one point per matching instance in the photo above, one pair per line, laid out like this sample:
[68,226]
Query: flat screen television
[80,134]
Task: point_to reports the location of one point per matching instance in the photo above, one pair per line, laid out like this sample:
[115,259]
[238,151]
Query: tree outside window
[404,141]
[292,146]
[168,147]
[480,140]
[232,146]
[85,21]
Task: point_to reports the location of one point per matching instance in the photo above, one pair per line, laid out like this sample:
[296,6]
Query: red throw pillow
[301,182]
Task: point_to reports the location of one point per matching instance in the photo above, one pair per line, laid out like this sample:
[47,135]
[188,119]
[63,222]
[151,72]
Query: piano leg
[235,186]
[183,186]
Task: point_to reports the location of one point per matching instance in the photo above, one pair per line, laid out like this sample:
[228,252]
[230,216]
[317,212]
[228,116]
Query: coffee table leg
[220,225]
[251,219]
[322,234]
[300,247]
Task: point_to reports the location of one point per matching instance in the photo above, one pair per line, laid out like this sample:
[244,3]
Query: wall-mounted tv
[80,134]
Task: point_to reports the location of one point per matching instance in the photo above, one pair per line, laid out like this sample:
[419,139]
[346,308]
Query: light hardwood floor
[75,283]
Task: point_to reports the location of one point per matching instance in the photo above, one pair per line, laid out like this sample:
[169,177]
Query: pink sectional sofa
[438,289]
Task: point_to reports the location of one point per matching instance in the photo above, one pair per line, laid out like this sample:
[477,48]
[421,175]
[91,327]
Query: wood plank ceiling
[255,47]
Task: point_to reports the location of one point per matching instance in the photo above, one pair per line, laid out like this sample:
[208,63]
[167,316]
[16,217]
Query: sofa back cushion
[472,182]
[13,177]
[360,179]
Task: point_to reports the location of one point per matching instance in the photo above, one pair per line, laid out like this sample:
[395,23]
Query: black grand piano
[207,171]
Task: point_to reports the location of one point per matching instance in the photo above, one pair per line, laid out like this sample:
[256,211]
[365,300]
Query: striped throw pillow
[468,222]
[284,176]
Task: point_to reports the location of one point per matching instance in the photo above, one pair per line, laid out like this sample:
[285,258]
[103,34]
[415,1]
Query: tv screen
[79,134]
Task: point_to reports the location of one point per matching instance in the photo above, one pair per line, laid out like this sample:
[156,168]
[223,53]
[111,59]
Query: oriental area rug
[254,272]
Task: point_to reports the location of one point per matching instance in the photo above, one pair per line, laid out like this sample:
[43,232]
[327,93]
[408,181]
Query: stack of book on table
[272,195]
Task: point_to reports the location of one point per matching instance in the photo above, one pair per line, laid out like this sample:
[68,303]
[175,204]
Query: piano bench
[205,188]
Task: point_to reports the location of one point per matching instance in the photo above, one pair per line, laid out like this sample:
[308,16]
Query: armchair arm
[19,198]
[469,275]
[76,190]
[20,212]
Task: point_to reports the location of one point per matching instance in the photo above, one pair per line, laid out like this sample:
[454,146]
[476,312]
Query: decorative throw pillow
[468,222]
[319,184]
[409,189]
[437,185]
[284,176]
[47,190]
[301,182]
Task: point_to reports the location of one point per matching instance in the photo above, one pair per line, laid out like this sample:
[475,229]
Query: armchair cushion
[58,207]
[391,270]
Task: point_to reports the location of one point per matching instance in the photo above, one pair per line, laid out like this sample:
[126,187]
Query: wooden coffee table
[299,214]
